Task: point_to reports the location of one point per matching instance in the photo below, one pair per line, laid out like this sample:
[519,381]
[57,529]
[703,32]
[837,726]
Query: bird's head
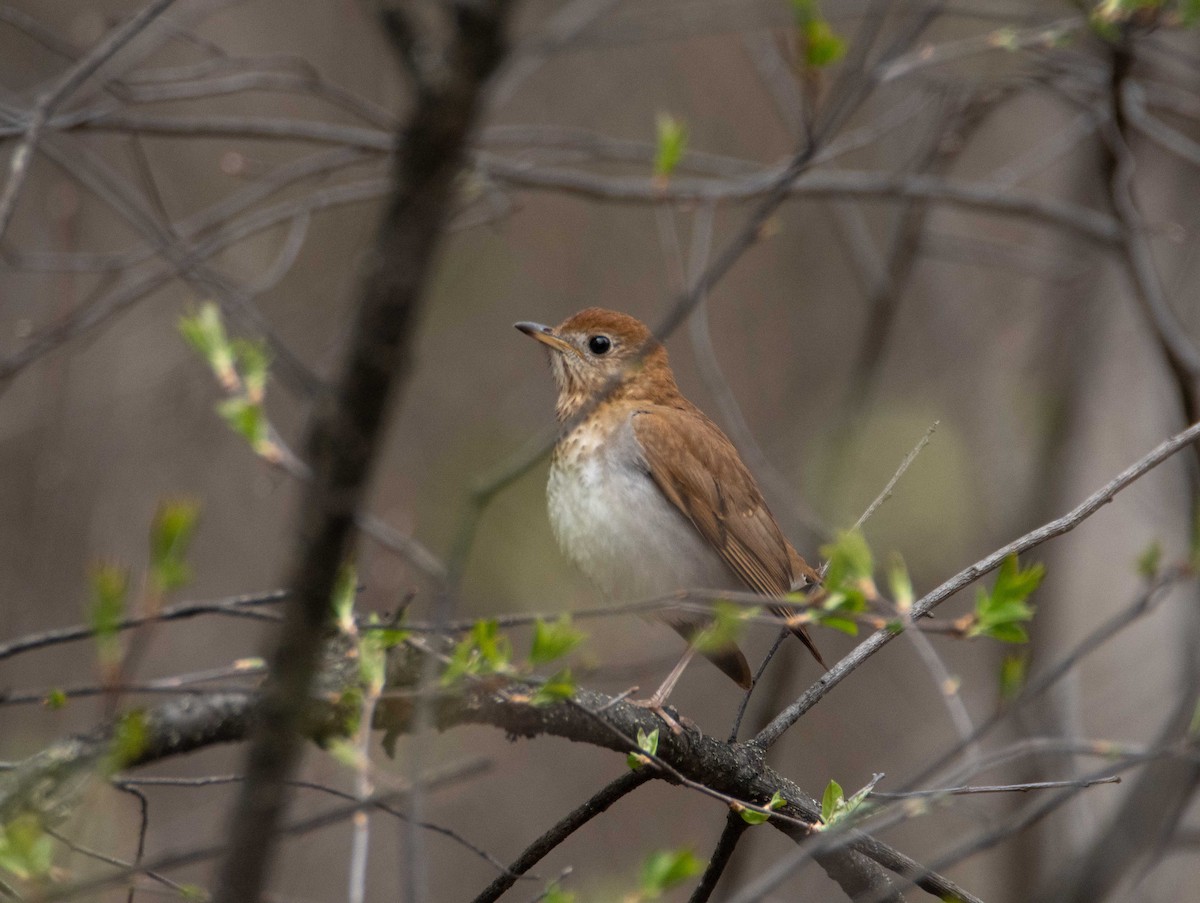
[599,350]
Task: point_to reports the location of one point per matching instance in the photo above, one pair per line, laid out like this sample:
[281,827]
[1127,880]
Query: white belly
[611,519]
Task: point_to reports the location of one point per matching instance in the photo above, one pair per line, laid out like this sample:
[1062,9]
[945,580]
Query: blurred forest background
[998,233]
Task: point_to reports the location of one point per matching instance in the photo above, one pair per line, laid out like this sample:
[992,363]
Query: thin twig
[236,606]
[67,84]
[1069,521]
[562,829]
[132,867]
[1088,224]
[735,827]
[176,859]
[995,788]
[891,484]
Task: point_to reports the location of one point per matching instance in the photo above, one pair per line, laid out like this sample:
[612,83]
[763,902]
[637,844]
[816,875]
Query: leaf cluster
[725,626]
[834,805]
[26,851]
[486,651]
[241,367]
[647,743]
[820,45]
[171,534]
[849,582]
[755,817]
[1002,612]
[664,869]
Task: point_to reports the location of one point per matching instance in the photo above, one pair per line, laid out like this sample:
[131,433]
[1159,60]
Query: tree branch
[67,84]
[967,576]
[564,828]
[348,427]
[48,782]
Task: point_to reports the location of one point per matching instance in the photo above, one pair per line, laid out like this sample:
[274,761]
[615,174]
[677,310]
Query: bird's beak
[545,335]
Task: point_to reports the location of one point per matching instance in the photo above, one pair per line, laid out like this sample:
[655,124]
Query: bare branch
[886,493]
[562,829]
[967,576]
[67,84]
[236,606]
[1088,224]
[348,427]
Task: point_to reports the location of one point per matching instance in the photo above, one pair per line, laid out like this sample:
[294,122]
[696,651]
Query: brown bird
[646,494]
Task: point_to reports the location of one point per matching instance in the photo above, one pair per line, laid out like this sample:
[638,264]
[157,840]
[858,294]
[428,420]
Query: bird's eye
[599,344]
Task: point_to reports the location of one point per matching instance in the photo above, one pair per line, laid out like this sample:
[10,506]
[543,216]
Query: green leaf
[374,643]
[372,663]
[485,650]
[130,738]
[835,806]
[1012,676]
[555,894]
[246,418]
[671,144]
[26,851]
[648,743]
[110,589]
[724,628]
[849,558]
[820,45]
[344,752]
[205,332]
[350,710]
[253,362]
[170,536]
[1008,633]
[56,699]
[900,584]
[1002,612]
[345,590]
[845,625]
[754,817]
[555,689]
[390,637]
[1149,562]
[849,581]
[552,641]
[193,893]
[831,801]
[666,868]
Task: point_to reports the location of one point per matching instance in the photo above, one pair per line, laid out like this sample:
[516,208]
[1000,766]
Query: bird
[646,494]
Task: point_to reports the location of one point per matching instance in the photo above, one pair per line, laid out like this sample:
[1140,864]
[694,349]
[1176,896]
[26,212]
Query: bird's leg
[655,702]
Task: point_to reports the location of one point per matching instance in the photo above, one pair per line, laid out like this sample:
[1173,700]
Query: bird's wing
[697,468]
[699,471]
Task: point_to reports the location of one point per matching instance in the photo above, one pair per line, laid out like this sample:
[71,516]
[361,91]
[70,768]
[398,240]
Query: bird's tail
[800,630]
[728,657]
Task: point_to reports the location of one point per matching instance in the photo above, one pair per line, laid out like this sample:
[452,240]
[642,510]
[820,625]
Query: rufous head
[599,350]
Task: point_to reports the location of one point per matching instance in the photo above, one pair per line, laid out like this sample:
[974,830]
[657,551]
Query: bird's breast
[612,521]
